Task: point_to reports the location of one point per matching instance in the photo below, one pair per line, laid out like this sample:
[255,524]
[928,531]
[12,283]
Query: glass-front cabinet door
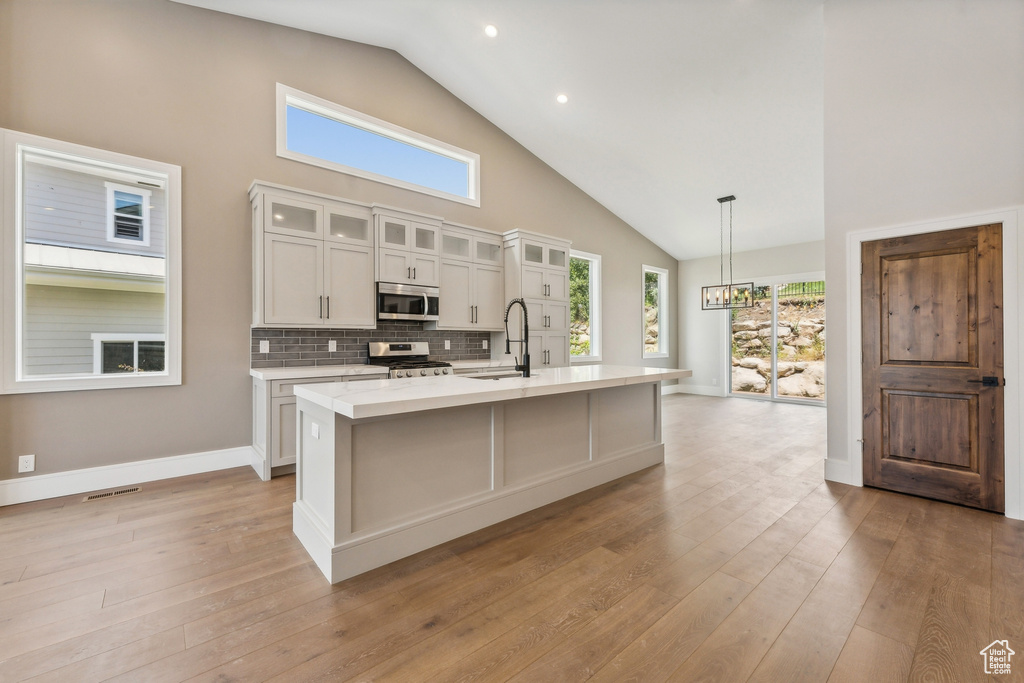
[394,233]
[293,217]
[350,224]
[425,238]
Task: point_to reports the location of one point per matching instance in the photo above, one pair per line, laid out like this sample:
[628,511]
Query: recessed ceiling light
[562,99]
[490,30]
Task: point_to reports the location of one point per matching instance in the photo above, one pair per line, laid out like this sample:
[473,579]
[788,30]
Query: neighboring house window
[325,134]
[584,306]
[127,214]
[93,240]
[655,307]
[120,353]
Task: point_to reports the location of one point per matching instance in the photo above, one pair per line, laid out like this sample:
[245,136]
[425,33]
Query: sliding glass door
[778,345]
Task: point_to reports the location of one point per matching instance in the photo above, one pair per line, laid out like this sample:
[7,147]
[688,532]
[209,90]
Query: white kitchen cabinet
[472,280]
[292,280]
[548,315]
[408,247]
[313,260]
[547,349]
[273,417]
[545,283]
[537,269]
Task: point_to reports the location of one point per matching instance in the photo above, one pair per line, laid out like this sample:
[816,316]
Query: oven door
[406,302]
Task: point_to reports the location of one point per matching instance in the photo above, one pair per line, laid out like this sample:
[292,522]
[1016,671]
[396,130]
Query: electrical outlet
[264,346]
[332,346]
[447,344]
[27,463]
[714,381]
[485,344]
[315,430]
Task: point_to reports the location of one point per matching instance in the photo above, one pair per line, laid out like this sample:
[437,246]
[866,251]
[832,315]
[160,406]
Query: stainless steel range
[406,359]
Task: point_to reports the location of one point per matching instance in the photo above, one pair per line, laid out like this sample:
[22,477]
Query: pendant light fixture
[726,295]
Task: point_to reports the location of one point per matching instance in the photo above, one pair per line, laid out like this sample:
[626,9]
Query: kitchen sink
[495,375]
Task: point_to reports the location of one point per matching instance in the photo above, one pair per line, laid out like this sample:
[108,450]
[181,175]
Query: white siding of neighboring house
[60,320]
[69,208]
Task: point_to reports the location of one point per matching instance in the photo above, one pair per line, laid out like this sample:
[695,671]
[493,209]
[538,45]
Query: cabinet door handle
[413,273]
[328,307]
[476,314]
[321,307]
[408,273]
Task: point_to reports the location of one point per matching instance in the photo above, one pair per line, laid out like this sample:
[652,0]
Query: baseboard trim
[43,486]
[700,390]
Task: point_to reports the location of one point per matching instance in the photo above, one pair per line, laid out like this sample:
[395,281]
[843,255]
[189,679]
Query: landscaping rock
[745,379]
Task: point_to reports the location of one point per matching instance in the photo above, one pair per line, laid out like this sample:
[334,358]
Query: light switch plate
[485,344]
[447,344]
[316,430]
[332,346]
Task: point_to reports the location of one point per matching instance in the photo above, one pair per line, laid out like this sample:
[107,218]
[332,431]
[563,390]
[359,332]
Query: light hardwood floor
[732,562]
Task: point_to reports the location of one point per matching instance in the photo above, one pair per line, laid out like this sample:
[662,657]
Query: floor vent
[111,494]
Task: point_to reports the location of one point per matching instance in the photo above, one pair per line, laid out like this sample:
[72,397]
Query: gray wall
[924,120]
[206,103]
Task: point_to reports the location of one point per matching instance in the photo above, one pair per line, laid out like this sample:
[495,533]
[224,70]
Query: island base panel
[369,492]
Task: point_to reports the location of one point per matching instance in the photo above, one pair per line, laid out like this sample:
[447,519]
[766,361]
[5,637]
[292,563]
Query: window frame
[16,146]
[287,96]
[663,312]
[595,308]
[146,195]
[98,338]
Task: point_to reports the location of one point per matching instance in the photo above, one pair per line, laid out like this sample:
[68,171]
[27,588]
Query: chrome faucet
[525,341]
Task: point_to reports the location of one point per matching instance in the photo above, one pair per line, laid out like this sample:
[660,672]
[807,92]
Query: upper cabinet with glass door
[408,247]
[541,265]
[313,260]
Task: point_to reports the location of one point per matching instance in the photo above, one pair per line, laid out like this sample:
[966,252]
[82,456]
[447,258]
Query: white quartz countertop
[312,372]
[371,398]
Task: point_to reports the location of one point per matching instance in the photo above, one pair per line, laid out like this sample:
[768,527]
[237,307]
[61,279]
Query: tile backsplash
[304,347]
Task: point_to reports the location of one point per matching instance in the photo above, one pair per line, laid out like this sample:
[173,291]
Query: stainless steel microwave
[406,302]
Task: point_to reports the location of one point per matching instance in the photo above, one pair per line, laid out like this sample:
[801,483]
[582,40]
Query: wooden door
[932,332]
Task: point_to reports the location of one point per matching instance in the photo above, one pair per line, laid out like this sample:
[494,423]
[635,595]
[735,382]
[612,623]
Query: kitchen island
[387,468]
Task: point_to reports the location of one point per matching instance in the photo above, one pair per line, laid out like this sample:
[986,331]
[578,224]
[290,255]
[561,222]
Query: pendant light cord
[721,244]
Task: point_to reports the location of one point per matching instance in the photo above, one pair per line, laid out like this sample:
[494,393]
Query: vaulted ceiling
[671,103]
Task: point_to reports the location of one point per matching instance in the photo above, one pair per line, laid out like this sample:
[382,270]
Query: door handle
[986,381]
[413,273]
[321,307]
[408,272]
[328,307]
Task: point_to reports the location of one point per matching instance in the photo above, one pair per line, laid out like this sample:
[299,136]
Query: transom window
[315,131]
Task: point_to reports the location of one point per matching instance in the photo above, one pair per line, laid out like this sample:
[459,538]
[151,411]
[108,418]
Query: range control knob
[423,373]
[437,372]
[398,374]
